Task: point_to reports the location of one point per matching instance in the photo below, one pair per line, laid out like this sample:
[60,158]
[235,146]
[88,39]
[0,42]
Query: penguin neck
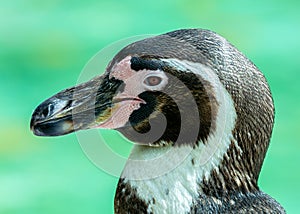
[161,184]
[162,177]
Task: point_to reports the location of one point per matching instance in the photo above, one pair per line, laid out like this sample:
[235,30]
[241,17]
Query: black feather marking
[139,63]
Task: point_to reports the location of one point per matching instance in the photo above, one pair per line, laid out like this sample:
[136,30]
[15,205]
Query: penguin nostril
[45,112]
[51,107]
[48,110]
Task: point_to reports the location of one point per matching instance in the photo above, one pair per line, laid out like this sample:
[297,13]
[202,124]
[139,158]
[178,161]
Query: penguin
[200,114]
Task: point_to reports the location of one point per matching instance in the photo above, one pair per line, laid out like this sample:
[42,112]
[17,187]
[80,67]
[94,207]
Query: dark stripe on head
[138,63]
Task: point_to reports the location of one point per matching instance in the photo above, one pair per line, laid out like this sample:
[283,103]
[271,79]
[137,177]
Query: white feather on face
[175,175]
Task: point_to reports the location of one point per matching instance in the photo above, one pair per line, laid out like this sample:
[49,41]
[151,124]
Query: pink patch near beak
[121,112]
[127,101]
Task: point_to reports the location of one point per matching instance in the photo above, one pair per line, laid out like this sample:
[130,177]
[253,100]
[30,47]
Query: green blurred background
[45,44]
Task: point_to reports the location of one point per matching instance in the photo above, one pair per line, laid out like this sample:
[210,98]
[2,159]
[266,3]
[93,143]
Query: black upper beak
[43,122]
[74,108]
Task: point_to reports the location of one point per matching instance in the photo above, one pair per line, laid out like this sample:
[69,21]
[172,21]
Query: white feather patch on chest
[167,178]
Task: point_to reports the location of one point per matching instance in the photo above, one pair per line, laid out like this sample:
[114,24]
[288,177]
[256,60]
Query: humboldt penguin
[199,112]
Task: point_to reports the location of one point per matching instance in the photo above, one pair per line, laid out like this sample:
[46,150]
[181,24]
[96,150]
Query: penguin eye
[153,80]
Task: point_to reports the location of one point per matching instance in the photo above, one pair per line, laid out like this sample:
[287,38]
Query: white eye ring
[155,80]
[152,80]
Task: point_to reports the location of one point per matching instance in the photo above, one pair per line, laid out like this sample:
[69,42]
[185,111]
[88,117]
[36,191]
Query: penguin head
[170,90]
[148,99]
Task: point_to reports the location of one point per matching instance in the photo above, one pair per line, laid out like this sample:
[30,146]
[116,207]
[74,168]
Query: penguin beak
[97,103]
